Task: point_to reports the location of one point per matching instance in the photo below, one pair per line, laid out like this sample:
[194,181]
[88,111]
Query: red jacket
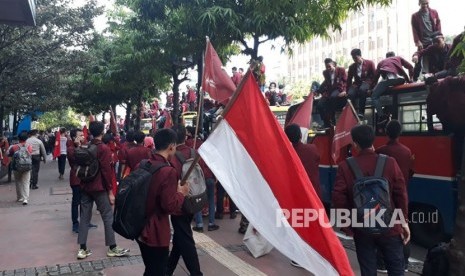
[394,65]
[236,78]
[340,81]
[103,180]
[402,155]
[165,200]
[368,73]
[123,152]
[437,57]
[310,157]
[137,154]
[342,196]
[73,179]
[418,25]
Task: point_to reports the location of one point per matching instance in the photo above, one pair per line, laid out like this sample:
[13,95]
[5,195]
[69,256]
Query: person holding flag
[342,138]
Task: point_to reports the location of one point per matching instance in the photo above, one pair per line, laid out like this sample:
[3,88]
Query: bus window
[280,113]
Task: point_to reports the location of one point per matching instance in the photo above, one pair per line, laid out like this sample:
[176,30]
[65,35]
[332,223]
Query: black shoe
[213,227]
[218,216]
[35,187]
[76,228]
[199,229]
[233,215]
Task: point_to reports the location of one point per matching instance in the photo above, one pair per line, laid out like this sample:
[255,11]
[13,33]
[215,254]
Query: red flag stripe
[303,115]
[342,136]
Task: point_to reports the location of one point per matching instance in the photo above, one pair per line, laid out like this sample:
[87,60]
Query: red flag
[113,126]
[169,120]
[303,117]
[56,149]
[314,246]
[215,80]
[342,137]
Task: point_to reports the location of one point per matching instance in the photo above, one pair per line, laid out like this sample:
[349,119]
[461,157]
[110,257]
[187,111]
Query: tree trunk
[15,122]
[103,116]
[127,120]
[256,43]
[2,117]
[200,93]
[457,244]
[176,83]
[138,111]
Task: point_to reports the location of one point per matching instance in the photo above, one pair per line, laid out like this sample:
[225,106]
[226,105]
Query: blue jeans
[391,247]
[379,90]
[211,204]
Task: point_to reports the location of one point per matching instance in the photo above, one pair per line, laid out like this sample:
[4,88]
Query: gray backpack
[22,159]
[197,197]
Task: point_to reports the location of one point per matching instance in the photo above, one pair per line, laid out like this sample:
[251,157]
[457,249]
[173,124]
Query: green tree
[59,118]
[35,62]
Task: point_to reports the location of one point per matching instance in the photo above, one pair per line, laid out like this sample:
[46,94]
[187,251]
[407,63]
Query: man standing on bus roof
[362,71]
[405,160]
[424,23]
[391,69]
[332,89]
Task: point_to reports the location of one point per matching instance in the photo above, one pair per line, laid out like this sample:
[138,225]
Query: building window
[361,30]
[380,42]
[379,24]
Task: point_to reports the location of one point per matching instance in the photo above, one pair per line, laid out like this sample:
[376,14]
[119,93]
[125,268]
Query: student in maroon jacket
[183,240]
[404,159]
[391,69]
[437,54]
[138,152]
[154,240]
[332,89]
[390,243]
[308,154]
[99,190]
[424,23]
[123,153]
[359,80]
[77,139]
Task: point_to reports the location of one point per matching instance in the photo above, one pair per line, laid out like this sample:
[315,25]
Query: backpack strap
[354,167]
[192,153]
[147,165]
[380,163]
[180,157]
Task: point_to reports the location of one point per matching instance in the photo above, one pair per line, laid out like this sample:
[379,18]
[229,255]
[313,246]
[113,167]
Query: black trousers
[61,164]
[183,245]
[35,170]
[155,259]
[220,193]
[75,203]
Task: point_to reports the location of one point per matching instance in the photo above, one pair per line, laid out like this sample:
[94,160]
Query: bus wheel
[426,225]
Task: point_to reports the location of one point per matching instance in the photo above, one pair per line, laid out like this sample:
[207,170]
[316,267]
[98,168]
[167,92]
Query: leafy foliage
[60,118]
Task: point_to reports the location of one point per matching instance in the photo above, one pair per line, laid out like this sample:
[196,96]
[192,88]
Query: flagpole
[201,95]
[225,111]
[353,110]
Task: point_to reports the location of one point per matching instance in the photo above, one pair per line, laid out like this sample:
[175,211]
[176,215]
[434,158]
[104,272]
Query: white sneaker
[82,254]
[117,252]
[25,202]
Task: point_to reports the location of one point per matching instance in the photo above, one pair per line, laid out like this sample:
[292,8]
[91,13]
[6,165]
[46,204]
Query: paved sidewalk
[37,240]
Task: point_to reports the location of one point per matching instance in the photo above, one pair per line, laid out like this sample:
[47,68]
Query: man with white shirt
[38,154]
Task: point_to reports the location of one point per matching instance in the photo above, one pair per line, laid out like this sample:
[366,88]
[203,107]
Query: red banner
[342,136]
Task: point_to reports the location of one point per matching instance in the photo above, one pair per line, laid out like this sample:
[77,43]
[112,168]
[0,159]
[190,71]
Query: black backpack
[129,217]
[371,196]
[197,197]
[87,162]
[437,261]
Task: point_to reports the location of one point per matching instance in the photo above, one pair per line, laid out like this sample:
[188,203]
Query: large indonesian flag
[342,136]
[254,161]
[215,80]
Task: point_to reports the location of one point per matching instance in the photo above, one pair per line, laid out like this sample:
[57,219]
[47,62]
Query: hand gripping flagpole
[220,117]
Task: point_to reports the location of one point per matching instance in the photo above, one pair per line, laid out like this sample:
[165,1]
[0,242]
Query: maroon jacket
[103,180]
[137,154]
[418,25]
[342,196]
[368,73]
[394,65]
[165,200]
[186,152]
[123,152]
[402,155]
[73,179]
[437,57]
[310,157]
[340,81]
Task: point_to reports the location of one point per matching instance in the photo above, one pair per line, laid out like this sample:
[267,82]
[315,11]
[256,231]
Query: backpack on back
[87,161]
[129,217]
[22,159]
[197,197]
[371,197]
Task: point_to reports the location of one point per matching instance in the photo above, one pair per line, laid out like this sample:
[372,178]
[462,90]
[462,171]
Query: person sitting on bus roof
[332,89]
[362,71]
[437,53]
[271,95]
[393,74]
[453,61]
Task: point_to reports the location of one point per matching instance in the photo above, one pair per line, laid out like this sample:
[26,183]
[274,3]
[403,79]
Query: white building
[375,30]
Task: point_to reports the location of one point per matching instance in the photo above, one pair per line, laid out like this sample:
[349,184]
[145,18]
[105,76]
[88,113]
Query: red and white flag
[342,136]
[216,82]
[303,117]
[266,180]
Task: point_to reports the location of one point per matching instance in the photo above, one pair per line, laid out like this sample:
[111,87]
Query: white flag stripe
[235,169]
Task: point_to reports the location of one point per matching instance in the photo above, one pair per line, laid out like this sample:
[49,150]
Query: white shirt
[37,146]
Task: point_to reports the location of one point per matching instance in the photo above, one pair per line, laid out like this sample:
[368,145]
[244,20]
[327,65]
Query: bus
[432,190]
